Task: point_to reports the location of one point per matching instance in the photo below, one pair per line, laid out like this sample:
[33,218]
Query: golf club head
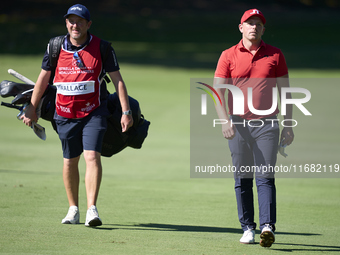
[11,89]
[22,98]
[39,131]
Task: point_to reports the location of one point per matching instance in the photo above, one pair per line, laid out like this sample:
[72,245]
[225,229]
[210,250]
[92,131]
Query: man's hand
[228,131]
[126,122]
[29,116]
[287,136]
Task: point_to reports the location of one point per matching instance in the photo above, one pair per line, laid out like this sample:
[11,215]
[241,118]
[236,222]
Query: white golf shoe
[92,217]
[267,236]
[72,216]
[248,237]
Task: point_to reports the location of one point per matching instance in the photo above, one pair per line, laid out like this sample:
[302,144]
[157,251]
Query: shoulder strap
[54,48]
[104,51]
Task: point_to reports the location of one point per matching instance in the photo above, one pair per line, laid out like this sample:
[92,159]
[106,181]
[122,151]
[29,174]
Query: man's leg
[93,135]
[93,176]
[242,156]
[245,202]
[267,209]
[267,201]
[69,132]
[265,154]
[71,180]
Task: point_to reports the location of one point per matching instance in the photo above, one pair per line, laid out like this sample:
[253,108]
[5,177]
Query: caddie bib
[77,80]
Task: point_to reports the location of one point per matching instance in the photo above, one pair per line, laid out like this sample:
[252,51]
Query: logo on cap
[76,8]
[253,12]
[79,10]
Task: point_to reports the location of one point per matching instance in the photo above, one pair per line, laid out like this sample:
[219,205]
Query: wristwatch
[129,112]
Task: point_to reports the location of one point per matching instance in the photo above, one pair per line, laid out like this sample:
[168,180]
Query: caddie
[81,108]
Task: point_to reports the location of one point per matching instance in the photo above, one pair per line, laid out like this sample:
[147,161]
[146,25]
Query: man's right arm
[39,89]
[228,130]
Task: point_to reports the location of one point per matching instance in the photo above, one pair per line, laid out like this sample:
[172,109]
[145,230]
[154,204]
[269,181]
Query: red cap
[252,13]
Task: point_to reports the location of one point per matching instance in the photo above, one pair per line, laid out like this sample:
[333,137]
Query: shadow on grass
[206,229]
[189,228]
[170,227]
[307,247]
[28,172]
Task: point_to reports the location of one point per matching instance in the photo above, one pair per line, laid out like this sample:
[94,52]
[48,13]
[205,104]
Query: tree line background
[182,33]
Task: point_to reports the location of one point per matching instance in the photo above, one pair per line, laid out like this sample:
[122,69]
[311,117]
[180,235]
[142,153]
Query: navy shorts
[77,135]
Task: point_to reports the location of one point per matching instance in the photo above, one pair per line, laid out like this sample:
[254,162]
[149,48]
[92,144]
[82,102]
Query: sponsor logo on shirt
[64,109]
[88,107]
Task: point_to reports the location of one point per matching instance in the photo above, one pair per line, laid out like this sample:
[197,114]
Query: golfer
[81,109]
[254,64]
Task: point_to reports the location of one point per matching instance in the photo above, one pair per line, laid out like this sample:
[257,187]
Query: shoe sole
[267,239]
[247,242]
[94,223]
[70,222]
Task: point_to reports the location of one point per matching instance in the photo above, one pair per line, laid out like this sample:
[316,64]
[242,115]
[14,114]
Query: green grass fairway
[147,201]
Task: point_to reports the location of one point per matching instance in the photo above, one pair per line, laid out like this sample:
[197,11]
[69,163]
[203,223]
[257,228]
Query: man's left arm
[287,135]
[121,90]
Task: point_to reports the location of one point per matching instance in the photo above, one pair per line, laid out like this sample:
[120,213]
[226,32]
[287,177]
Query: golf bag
[114,140]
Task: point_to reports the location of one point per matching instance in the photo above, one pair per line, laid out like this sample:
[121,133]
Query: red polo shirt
[239,64]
